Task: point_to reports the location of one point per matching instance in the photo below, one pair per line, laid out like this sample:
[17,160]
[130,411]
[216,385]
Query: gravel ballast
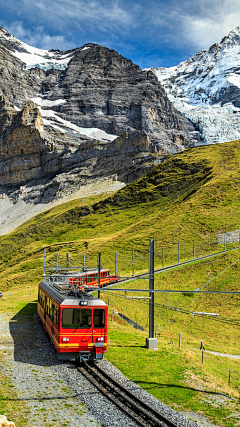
[55,391]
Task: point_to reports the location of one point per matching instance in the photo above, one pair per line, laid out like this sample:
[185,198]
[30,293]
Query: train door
[99,320]
[78,323]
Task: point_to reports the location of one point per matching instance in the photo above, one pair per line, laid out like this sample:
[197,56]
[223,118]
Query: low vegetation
[190,195]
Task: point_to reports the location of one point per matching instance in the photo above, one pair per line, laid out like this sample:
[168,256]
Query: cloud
[171,31]
[102,15]
[37,37]
[211,23]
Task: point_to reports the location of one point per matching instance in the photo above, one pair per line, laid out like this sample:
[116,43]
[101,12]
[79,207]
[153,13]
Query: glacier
[206,89]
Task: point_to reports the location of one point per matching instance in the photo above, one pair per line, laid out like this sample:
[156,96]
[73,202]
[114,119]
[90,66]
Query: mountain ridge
[206,89]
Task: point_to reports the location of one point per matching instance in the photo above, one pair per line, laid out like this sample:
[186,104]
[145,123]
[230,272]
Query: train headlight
[83,303]
[65,339]
[100,339]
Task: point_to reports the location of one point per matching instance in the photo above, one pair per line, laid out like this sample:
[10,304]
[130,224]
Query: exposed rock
[28,152]
[5,423]
[79,117]
[99,89]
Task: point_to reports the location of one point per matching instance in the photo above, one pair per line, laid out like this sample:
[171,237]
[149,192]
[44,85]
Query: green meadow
[189,196]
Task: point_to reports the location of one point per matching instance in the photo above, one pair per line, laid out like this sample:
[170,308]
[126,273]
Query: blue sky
[156,33]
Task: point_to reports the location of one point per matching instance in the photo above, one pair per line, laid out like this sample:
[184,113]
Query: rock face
[77,118]
[95,88]
[206,89]
[5,423]
[28,152]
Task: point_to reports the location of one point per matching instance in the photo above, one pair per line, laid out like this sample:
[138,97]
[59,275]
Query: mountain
[206,89]
[74,118]
[91,87]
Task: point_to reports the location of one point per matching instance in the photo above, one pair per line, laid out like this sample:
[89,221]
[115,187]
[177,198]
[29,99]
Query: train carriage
[90,278]
[75,320]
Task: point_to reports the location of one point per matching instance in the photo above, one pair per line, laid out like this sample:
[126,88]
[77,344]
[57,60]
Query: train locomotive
[75,320]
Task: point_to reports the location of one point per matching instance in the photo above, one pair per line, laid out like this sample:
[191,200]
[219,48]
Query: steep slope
[74,118]
[202,86]
[189,195]
[39,167]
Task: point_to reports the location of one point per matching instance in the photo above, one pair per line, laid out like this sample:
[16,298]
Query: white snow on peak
[197,88]
[34,57]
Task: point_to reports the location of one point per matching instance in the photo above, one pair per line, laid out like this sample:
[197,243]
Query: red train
[90,278]
[76,322]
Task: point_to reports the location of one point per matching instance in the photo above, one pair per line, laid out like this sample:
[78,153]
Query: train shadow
[31,344]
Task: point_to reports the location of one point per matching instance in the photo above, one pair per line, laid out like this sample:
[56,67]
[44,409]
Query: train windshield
[99,318]
[77,318]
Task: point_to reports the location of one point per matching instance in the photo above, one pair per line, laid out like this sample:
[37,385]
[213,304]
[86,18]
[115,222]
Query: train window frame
[77,325]
[52,312]
[103,322]
[57,315]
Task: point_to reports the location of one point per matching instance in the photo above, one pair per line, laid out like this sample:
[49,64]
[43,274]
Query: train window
[53,310]
[48,307]
[57,316]
[99,318]
[77,318]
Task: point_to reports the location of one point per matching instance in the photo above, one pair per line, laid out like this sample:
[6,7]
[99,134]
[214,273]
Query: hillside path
[230,356]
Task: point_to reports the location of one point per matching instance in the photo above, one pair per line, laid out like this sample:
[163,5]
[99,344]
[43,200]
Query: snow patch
[50,118]
[47,102]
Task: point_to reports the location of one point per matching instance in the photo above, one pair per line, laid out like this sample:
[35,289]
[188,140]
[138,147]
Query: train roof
[59,292]
[77,273]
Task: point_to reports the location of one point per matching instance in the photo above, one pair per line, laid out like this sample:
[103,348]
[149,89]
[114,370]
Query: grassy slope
[191,194]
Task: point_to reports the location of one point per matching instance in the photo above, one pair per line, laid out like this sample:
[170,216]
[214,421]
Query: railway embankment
[52,393]
[31,393]
[38,390]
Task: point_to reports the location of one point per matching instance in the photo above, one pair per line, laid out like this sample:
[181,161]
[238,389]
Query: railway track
[143,414]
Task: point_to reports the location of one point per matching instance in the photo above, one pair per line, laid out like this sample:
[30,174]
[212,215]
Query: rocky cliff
[28,151]
[78,117]
[92,87]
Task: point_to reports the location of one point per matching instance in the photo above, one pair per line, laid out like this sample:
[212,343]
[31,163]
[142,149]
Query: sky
[152,33]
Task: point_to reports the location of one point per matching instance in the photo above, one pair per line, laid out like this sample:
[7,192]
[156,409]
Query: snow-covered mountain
[34,57]
[206,89]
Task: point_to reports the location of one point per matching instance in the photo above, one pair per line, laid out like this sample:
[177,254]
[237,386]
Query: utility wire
[198,289]
[183,311]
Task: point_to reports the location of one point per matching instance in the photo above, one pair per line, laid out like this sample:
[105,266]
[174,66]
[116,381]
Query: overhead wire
[198,289]
[220,319]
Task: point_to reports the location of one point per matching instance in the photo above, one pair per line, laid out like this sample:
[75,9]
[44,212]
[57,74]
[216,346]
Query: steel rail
[96,384]
[150,417]
[133,396]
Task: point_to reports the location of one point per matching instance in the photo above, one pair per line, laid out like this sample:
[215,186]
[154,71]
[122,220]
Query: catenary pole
[133,262]
[44,265]
[99,273]
[67,261]
[151,287]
